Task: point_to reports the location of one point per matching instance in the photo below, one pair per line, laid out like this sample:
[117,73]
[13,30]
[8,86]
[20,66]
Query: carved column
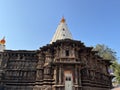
[79,76]
[60,69]
[76,75]
[57,74]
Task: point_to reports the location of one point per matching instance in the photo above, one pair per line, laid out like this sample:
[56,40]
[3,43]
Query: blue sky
[30,24]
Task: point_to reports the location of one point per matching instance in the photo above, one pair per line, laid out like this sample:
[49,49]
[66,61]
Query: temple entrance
[68,81]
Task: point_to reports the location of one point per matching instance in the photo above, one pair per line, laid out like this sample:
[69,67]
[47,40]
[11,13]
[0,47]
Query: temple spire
[2,44]
[62,32]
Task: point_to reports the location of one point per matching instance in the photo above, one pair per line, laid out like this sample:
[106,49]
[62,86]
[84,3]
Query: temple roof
[62,32]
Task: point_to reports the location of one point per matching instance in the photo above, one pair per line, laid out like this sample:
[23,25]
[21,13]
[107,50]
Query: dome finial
[62,20]
[2,41]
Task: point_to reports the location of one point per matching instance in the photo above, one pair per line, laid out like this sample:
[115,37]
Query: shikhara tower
[64,64]
[62,32]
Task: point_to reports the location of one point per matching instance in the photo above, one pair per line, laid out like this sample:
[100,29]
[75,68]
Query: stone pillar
[76,75]
[56,76]
[79,76]
[60,69]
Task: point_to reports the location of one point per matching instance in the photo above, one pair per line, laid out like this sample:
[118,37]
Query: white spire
[2,48]
[2,44]
[62,32]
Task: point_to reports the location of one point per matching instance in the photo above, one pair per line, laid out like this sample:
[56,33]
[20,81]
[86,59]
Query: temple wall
[47,68]
[18,88]
[93,88]
[44,87]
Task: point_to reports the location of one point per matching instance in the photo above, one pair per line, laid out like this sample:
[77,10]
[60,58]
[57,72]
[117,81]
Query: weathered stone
[46,69]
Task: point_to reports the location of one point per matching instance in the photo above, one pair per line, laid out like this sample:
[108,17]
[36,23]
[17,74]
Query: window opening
[67,52]
[68,78]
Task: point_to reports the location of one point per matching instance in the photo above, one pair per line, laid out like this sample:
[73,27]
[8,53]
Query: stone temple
[64,64]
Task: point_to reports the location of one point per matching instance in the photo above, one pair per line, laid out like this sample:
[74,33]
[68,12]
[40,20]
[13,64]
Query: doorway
[68,81]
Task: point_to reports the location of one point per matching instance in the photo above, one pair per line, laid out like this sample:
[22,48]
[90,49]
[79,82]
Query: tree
[116,69]
[107,53]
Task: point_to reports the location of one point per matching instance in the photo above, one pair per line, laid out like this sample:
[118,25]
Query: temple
[64,64]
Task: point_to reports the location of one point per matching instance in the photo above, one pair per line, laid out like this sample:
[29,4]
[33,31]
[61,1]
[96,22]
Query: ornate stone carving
[44,69]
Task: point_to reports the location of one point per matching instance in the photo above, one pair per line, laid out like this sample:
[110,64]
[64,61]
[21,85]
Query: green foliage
[116,68]
[108,53]
[105,52]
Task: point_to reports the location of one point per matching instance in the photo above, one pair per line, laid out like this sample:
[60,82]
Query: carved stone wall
[45,69]
[19,69]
